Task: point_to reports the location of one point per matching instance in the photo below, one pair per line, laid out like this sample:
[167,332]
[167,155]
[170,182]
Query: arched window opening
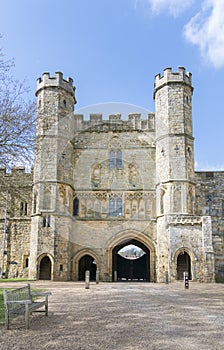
[75,206]
[112,207]
[119,160]
[115,207]
[116,159]
[112,160]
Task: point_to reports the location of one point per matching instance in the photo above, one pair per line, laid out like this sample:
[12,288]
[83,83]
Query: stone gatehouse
[99,185]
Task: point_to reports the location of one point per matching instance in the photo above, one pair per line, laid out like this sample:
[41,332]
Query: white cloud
[172,7]
[206,30]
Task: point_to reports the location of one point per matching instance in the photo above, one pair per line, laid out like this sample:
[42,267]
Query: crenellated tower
[53,176]
[175,186]
[174,143]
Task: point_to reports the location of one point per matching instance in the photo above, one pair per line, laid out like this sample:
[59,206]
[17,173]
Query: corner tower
[53,178]
[174,143]
[175,185]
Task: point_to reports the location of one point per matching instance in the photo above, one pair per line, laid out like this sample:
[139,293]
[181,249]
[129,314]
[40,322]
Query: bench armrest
[19,302]
[36,294]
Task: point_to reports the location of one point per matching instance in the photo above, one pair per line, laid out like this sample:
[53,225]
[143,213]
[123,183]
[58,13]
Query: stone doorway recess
[131,269]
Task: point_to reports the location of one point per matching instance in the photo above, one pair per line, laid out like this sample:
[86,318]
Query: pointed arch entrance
[183,265]
[126,269]
[87,262]
[45,268]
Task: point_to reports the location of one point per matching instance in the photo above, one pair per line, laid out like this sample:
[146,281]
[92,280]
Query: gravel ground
[122,316]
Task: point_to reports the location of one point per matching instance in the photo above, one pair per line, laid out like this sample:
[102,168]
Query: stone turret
[53,175]
[174,142]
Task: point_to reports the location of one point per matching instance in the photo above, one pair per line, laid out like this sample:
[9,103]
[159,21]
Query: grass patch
[2,310]
[5,280]
[219,279]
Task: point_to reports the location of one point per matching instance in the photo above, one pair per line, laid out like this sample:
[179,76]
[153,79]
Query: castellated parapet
[17,173]
[115,122]
[172,77]
[57,81]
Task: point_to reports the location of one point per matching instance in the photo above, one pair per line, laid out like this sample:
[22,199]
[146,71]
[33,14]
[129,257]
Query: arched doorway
[183,265]
[45,268]
[87,262]
[131,269]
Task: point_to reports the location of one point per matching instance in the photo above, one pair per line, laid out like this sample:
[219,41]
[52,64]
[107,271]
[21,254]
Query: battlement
[56,81]
[115,122]
[172,77]
[18,171]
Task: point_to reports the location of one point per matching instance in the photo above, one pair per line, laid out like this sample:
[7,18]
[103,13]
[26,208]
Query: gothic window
[119,160]
[112,207]
[23,209]
[116,159]
[64,103]
[119,207]
[25,261]
[115,207]
[75,207]
[46,221]
[112,159]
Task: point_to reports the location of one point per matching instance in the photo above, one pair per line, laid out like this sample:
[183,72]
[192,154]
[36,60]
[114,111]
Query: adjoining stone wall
[210,201]
[17,222]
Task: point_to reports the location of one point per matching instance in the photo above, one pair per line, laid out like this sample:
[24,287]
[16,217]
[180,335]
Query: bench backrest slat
[17,294]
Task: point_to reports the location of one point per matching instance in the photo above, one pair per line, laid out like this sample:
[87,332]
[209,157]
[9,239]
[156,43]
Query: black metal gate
[131,269]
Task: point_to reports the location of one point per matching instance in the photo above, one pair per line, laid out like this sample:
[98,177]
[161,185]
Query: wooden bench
[21,301]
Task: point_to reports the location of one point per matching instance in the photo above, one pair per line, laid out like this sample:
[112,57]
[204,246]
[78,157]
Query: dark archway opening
[135,269]
[45,268]
[183,265]
[87,262]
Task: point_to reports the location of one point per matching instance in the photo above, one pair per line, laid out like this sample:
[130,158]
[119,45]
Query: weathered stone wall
[210,201]
[17,222]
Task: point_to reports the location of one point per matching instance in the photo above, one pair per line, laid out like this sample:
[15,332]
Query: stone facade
[99,185]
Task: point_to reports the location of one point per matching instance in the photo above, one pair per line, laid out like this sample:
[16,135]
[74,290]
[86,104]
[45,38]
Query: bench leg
[46,309]
[6,320]
[27,316]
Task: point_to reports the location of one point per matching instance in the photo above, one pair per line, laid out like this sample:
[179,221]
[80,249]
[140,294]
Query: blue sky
[114,48]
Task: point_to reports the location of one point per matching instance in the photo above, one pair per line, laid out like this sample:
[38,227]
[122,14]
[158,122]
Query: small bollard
[97,276]
[87,279]
[115,276]
[166,277]
[186,280]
